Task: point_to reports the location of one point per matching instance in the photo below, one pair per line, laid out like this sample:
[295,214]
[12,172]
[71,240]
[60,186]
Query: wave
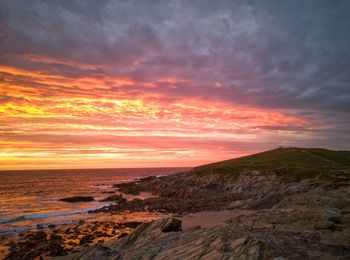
[51,214]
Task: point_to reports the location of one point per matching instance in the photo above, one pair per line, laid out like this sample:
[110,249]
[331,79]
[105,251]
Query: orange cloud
[49,120]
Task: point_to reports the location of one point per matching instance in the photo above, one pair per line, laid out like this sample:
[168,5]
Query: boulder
[86,239]
[333,215]
[115,198]
[235,204]
[324,225]
[78,199]
[173,225]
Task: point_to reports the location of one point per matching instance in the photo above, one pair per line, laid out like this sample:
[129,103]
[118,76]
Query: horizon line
[107,168]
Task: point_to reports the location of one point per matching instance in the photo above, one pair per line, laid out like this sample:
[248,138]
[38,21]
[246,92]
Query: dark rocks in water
[115,198]
[78,199]
[174,225]
[39,226]
[51,226]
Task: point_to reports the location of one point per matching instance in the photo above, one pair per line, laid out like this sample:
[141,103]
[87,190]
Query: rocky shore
[298,199]
[66,239]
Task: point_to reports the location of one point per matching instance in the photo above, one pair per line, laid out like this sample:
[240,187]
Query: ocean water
[31,198]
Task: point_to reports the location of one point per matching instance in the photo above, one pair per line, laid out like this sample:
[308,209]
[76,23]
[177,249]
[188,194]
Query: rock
[36,244]
[56,238]
[333,216]
[98,252]
[86,239]
[55,246]
[123,235]
[78,199]
[40,236]
[131,224]
[247,248]
[235,204]
[51,226]
[128,188]
[173,225]
[324,225]
[335,219]
[149,242]
[115,198]
[81,222]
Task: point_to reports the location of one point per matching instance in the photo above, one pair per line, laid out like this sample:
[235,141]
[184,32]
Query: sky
[103,84]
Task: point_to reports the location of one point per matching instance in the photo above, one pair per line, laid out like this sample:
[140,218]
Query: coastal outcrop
[298,202]
[301,200]
[277,178]
[78,199]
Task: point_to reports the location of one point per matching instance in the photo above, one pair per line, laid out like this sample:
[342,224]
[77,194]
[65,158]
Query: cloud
[272,71]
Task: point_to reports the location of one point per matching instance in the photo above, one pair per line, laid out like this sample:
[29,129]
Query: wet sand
[208,219]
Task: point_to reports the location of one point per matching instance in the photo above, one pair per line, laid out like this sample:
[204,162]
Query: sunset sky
[99,84]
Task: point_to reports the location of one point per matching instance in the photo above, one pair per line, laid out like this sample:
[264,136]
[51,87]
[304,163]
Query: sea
[30,199]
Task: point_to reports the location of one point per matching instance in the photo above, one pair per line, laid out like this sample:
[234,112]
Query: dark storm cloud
[280,54]
[291,55]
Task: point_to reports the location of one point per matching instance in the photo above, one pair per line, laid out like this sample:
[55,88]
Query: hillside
[297,163]
[258,181]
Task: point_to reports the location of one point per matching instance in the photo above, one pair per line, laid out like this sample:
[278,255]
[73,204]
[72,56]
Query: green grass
[290,163]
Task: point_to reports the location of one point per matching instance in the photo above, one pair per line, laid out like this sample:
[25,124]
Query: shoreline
[26,222]
[96,226]
[75,236]
[256,213]
[82,222]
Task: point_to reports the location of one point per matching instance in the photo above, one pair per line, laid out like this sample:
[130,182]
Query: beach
[30,201]
[72,227]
